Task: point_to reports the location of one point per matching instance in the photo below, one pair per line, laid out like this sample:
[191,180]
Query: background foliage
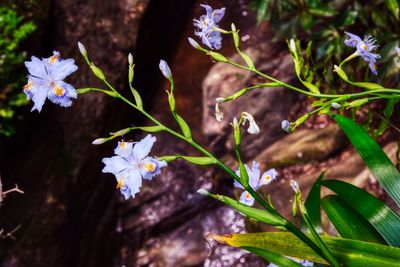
[13,31]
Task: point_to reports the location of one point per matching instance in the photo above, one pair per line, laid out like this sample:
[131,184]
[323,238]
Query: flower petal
[143,147]
[39,97]
[115,165]
[150,167]
[124,149]
[268,177]
[246,198]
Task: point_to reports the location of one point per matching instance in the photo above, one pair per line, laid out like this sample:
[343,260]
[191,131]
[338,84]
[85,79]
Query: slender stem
[377,91]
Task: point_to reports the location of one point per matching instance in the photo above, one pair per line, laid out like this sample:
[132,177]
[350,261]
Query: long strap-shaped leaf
[384,219]
[349,222]
[350,253]
[374,157]
[313,203]
[273,257]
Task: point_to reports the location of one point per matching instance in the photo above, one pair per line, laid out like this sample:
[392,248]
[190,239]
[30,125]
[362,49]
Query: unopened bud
[219,116]
[286,126]
[99,141]
[295,186]
[336,105]
[203,192]
[82,49]
[194,43]
[130,59]
[220,99]
[98,72]
[166,71]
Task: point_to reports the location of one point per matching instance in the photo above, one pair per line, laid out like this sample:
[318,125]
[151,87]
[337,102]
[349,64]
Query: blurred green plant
[13,31]
[323,23]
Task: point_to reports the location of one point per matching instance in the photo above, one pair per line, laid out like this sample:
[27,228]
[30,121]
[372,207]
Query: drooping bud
[292,45]
[219,116]
[220,99]
[253,127]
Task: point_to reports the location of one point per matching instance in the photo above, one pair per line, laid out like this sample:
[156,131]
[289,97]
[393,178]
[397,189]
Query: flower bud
[295,186]
[166,71]
[203,192]
[220,99]
[286,126]
[253,127]
[130,59]
[292,46]
[219,116]
[336,105]
[97,72]
[194,43]
[99,141]
[82,49]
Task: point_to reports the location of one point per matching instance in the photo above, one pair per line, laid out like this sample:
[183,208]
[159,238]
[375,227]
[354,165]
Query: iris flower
[208,28]
[255,181]
[45,80]
[364,48]
[131,164]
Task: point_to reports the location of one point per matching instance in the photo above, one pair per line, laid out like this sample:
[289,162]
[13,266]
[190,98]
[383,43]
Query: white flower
[253,127]
[219,116]
[295,186]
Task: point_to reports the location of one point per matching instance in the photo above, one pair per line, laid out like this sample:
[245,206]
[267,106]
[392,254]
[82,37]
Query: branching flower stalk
[159,126]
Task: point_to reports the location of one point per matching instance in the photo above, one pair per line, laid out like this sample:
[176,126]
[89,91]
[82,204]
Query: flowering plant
[369,230]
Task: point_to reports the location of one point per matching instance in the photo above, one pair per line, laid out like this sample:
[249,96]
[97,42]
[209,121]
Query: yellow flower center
[54,59]
[364,46]
[59,91]
[268,178]
[28,86]
[248,196]
[120,183]
[149,167]
[122,144]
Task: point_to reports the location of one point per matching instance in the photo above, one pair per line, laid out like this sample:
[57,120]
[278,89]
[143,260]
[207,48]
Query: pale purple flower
[364,48]
[45,80]
[255,181]
[208,28]
[131,164]
[397,49]
[285,124]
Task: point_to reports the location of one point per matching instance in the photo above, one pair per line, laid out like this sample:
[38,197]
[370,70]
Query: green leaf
[351,253]
[184,127]
[384,219]
[257,214]
[275,258]
[369,86]
[314,89]
[348,222]
[199,160]
[393,6]
[374,157]
[247,59]
[313,203]
[138,99]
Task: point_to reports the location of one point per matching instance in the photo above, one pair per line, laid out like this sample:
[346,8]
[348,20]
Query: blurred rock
[303,146]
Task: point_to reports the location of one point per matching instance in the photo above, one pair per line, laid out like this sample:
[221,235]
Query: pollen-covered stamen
[55,58]
[59,91]
[149,166]
[28,86]
[364,47]
[268,178]
[120,183]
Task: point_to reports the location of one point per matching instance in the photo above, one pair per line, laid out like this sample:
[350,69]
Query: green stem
[289,226]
